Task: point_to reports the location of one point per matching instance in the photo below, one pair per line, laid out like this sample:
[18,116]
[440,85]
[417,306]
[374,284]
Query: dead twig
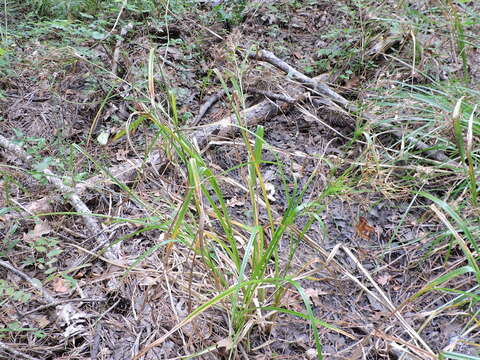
[69,193]
[15,149]
[56,303]
[17,353]
[36,284]
[326,91]
[211,100]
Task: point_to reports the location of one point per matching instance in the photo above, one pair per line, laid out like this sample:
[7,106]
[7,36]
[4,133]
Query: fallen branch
[69,193]
[211,100]
[249,117]
[326,91]
[227,126]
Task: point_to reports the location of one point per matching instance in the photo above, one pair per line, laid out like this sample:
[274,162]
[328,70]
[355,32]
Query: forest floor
[351,219]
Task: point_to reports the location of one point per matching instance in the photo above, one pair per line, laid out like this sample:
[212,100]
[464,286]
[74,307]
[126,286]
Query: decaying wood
[211,100]
[262,112]
[249,117]
[227,126]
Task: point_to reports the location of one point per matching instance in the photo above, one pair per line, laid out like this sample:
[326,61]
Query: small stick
[207,105]
[68,192]
[17,353]
[36,284]
[118,45]
[56,303]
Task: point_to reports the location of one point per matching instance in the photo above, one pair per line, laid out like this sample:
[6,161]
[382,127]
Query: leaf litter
[146,302]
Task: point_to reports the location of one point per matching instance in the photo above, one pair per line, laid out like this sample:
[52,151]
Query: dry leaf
[40,229]
[234,201]
[363,229]
[384,279]
[292,301]
[59,285]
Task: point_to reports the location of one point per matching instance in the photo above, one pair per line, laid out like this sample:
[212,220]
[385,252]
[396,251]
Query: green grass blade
[458,356]
[463,225]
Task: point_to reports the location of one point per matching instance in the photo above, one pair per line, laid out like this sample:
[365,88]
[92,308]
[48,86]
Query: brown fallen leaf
[313,294]
[59,285]
[292,301]
[384,279]
[42,228]
[363,229]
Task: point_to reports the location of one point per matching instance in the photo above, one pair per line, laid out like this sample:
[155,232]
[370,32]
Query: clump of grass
[242,256]
[442,113]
